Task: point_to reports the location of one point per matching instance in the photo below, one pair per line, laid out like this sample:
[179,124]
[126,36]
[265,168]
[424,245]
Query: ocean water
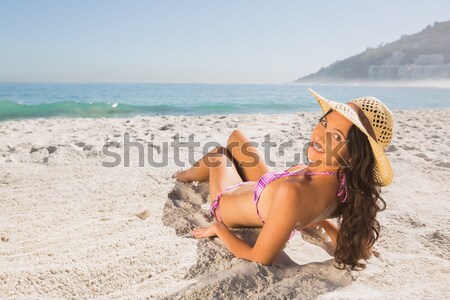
[31,100]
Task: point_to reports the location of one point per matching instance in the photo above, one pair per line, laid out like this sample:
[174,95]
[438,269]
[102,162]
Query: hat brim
[383,169]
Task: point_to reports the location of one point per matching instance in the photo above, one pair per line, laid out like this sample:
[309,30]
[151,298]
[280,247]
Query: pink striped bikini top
[271,176]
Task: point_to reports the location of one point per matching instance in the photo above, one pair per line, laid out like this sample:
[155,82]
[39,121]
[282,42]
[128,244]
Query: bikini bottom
[214,209]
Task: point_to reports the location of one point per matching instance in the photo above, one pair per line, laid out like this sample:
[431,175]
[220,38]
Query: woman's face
[328,145]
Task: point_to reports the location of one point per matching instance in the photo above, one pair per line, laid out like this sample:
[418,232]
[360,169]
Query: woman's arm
[235,245]
[331,229]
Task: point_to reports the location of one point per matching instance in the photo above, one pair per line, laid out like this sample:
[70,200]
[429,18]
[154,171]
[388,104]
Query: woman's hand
[313,225]
[205,232]
[330,228]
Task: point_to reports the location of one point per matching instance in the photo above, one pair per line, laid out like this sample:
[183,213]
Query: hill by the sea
[423,56]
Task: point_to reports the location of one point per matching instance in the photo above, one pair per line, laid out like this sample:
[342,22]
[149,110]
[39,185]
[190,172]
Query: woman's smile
[317,147]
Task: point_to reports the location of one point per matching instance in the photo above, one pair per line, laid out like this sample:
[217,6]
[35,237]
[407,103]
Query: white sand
[68,226]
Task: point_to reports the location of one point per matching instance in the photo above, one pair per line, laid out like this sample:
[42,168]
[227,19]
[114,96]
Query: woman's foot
[181,175]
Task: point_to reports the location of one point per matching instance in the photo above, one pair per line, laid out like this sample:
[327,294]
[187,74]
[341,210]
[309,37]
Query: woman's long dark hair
[359,228]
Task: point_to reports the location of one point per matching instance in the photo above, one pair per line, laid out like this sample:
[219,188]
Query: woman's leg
[200,170]
[222,175]
[248,159]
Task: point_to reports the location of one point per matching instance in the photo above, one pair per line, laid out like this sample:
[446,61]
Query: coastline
[69,226]
[444,84]
[24,100]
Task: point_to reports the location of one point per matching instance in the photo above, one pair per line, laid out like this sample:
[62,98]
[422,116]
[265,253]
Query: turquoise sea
[31,100]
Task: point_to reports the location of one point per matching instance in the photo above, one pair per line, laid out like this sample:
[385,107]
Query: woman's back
[248,205]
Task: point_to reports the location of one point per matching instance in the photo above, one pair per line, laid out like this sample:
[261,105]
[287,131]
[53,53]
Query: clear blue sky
[196,41]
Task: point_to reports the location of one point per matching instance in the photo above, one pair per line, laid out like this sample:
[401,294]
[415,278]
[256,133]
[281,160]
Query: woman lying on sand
[347,165]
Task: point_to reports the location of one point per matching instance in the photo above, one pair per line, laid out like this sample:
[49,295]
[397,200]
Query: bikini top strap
[314,173]
[342,191]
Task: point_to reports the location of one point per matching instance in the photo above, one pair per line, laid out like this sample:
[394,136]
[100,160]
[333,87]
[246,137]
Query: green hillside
[421,56]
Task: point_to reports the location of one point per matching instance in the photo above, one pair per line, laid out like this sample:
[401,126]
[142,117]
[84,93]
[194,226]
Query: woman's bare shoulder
[299,186]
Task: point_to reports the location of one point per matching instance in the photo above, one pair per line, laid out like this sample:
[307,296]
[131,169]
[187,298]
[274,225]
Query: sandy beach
[72,228]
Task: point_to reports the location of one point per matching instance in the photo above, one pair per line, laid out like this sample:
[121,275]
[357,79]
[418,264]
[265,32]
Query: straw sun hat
[373,118]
